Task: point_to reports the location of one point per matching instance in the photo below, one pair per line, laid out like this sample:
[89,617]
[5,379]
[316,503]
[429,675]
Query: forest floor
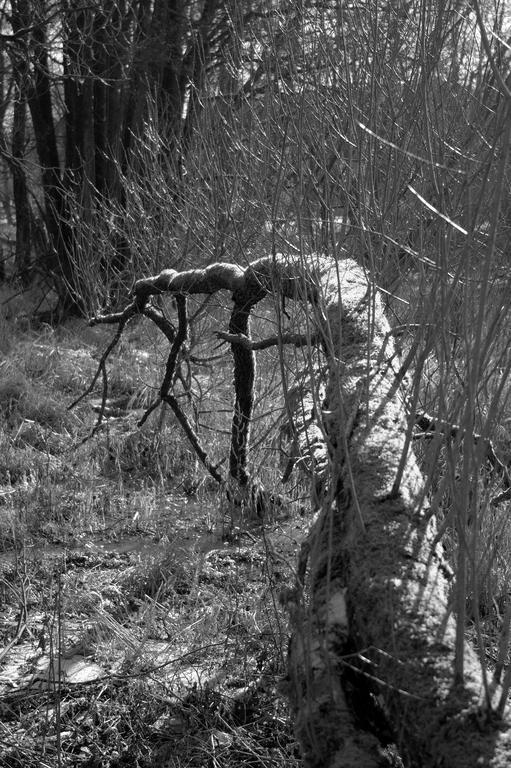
[138,626]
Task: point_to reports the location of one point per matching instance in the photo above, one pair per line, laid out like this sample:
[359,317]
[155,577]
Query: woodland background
[142,135]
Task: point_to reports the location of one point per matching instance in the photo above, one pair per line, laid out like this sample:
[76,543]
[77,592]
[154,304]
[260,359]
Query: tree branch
[296,339]
[122,318]
[193,437]
[379,593]
[431,426]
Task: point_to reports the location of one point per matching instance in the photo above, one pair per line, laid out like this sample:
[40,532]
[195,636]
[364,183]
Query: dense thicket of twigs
[381,130]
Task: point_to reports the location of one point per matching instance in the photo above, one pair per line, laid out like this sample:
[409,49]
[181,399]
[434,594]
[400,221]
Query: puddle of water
[77,669]
[122,546]
[26,666]
[128,545]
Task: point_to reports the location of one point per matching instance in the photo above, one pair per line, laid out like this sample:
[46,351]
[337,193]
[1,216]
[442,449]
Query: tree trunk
[20,192]
[372,656]
[34,74]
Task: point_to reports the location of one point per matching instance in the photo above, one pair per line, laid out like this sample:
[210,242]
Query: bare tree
[86,73]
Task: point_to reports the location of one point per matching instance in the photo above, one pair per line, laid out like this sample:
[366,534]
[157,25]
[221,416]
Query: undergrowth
[132,634]
[140,624]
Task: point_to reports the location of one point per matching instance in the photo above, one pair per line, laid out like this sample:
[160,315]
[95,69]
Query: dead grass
[132,634]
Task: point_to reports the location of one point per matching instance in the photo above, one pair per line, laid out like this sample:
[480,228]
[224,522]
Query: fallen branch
[122,319]
[431,426]
[374,647]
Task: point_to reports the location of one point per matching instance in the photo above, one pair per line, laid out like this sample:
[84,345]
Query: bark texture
[372,655]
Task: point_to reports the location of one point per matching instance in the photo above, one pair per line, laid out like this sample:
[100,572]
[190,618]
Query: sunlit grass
[113,555]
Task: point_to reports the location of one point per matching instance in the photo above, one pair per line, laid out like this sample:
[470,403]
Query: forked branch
[377,583]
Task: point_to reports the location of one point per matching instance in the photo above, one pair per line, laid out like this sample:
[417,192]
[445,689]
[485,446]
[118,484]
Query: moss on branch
[379,595]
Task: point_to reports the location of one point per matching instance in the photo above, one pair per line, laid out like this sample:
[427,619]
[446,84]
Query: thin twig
[135,308]
[487,49]
[119,317]
[101,412]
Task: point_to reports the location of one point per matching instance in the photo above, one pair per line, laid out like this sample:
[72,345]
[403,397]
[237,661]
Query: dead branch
[193,438]
[122,318]
[178,339]
[104,397]
[431,426]
[379,594]
[177,343]
[296,339]
[161,322]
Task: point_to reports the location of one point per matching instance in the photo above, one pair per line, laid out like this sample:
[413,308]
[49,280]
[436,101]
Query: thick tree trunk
[372,656]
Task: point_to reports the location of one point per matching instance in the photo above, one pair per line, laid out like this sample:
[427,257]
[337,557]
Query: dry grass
[115,569]
[133,634]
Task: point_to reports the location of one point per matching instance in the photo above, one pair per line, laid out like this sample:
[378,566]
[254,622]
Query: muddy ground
[140,625]
[149,649]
